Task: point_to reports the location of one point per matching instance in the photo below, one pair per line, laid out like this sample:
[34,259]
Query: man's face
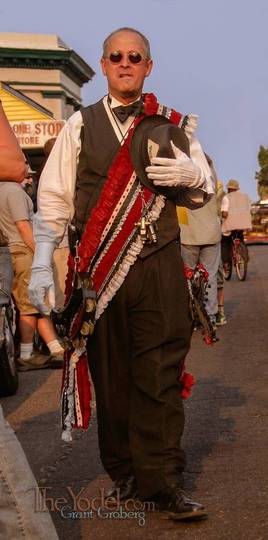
[125,79]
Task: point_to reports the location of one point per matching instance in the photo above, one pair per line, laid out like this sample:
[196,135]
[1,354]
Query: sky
[210,58]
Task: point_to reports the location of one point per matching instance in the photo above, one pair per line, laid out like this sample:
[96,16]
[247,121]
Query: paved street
[226,435]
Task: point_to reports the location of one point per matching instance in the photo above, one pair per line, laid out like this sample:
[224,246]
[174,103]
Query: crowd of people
[135,187]
[16,218]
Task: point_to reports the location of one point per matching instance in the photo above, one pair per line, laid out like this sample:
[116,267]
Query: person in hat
[30,185]
[236,215]
[125,217]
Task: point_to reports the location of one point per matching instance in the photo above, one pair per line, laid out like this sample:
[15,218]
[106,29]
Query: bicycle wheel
[227,270]
[8,372]
[241,262]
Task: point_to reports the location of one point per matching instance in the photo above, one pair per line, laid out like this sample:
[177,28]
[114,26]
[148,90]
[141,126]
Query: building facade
[40,87]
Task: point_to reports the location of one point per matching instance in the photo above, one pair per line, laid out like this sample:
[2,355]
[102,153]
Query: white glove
[181,171]
[41,288]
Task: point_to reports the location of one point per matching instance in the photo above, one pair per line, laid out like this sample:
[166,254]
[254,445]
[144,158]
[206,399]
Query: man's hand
[41,287]
[25,229]
[181,171]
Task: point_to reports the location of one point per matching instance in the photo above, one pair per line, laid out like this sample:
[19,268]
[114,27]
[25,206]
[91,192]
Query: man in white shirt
[236,215]
[142,334]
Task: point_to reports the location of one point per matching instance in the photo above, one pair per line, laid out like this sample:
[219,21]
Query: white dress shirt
[57,182]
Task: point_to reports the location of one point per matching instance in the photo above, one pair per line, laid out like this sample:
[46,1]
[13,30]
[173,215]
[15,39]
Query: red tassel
[84,390]
[187,381]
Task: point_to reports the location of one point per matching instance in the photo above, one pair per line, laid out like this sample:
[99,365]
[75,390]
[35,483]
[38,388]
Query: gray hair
[127,29]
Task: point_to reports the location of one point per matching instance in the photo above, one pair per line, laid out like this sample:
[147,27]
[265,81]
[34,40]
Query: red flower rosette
[176,118]
[150,104]
[187,381]
[208,339]
[188,272]
[202,269]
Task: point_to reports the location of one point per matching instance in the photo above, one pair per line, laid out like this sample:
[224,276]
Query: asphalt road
[226,435]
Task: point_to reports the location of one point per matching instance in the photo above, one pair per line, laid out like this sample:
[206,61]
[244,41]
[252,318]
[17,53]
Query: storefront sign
[34,133]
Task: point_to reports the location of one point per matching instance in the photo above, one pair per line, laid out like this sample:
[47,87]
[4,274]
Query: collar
[115,103]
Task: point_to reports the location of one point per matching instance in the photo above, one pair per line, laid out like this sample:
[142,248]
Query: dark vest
[99,146]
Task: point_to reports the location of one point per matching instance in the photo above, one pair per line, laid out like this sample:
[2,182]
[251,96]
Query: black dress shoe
[173,501]
[123,489]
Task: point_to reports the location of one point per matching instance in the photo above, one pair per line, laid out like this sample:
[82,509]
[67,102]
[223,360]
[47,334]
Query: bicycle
[8,370]
[239,258]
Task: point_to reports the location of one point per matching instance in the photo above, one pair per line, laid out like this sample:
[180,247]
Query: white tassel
[67,435]
[69,419]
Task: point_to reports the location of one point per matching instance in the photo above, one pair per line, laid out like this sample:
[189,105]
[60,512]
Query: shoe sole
[31,368]
[188,516]
[46,365]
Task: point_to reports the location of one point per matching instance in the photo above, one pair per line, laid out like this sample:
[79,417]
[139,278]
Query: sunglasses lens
[115,57]
[134,58]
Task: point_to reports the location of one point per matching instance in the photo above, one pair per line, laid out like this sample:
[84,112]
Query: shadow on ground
[206,423]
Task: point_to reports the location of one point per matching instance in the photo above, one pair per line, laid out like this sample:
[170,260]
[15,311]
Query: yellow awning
[19,107]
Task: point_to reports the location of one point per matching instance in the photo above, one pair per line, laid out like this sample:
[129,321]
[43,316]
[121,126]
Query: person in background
[236,216]
[16,211]
[220,317]
[200,243]
[30,186]
[13,168]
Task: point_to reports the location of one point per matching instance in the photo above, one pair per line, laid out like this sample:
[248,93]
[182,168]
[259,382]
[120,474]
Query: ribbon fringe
[129,259]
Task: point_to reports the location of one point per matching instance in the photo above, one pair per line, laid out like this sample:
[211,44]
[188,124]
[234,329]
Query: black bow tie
[124,111]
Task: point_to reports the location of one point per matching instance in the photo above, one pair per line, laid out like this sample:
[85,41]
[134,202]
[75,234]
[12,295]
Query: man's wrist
[43,255]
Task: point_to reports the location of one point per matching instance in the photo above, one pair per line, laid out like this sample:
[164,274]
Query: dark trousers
[135,357]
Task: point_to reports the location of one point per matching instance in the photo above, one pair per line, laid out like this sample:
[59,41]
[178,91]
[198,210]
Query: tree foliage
[262,175]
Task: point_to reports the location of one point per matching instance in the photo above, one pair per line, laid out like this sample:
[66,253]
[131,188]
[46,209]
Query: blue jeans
[6,275]
[19,515]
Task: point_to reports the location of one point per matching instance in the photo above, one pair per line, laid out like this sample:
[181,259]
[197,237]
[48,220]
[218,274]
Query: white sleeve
[57,184]
[199,158]
[196,197]
[225,204]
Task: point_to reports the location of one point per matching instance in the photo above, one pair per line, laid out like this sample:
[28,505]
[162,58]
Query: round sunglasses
[133,57]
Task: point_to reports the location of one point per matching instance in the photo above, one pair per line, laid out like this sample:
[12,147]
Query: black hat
[152,137]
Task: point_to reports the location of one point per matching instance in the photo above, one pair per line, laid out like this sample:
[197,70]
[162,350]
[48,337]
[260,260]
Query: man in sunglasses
[142,332]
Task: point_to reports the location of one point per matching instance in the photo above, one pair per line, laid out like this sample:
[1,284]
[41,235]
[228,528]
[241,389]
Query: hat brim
[233,185]
[155,133]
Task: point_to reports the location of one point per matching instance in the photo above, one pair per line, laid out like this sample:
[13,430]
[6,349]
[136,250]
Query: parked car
[259,232]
